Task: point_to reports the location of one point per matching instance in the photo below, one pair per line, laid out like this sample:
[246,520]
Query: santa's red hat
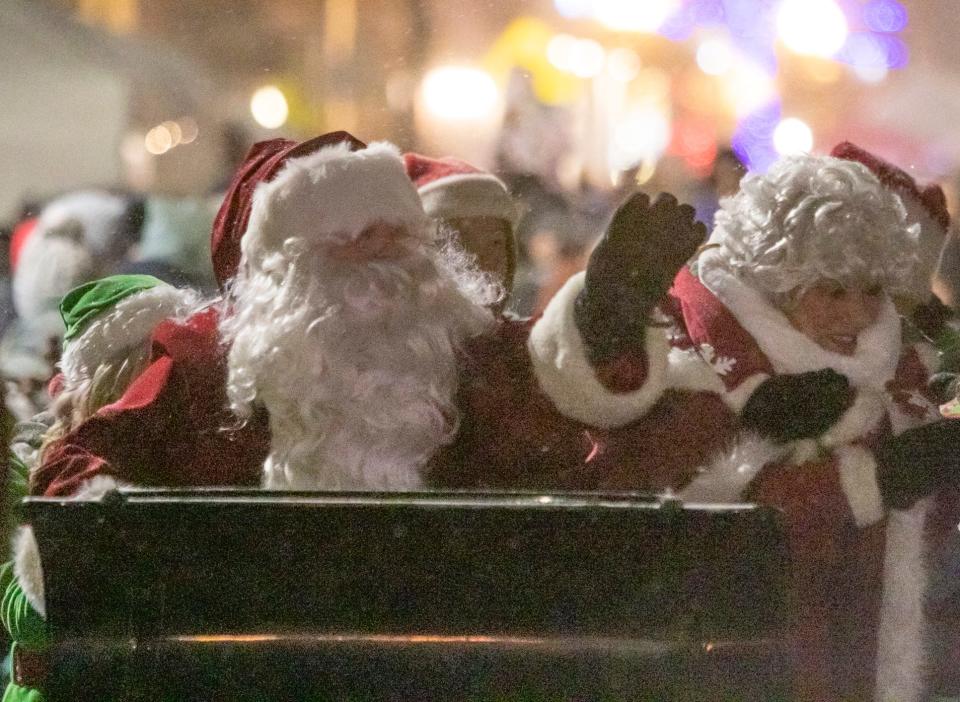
[331,195]
[450,188]
[898,180]
[261,164]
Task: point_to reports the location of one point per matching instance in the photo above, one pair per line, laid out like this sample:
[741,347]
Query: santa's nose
[378,241]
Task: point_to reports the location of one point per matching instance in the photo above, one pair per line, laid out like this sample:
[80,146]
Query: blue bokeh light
[753,138]
[886,16]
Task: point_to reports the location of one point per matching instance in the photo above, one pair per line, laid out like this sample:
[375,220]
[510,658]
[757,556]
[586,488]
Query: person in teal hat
[107,344]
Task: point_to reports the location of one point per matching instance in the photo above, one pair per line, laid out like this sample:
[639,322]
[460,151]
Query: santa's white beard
[355,363]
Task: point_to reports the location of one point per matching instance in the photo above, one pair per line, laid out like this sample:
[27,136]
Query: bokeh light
[749,87]
[715,56]
[189,129]
[887,16]
[814,27]
[792,136]
[623,64]
[457,93]
[581,57]
[753,139]
[158,140]
[572,8]
[644,134]
[633,15]
[269,107]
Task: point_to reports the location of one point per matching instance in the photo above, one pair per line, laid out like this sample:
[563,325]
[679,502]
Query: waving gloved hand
[631,269]
[797,406]
[919,462]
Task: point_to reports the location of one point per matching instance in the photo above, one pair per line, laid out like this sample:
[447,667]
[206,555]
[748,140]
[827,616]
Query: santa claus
[345,324]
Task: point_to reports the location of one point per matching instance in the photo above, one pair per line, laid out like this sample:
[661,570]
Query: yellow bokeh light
[457,93]
[189,129]
[269,107]
[523,45]
[158,140]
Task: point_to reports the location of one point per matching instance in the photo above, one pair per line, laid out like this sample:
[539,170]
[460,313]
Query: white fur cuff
[568,378]
[26,554]
[28,569]
[858,476]
[729,473]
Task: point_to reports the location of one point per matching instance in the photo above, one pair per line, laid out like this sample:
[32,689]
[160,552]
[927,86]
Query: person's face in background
[490,240]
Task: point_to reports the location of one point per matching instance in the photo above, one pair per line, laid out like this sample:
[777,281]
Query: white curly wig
[811,218]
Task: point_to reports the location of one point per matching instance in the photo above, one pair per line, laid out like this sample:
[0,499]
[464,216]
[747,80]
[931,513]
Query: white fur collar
[791,351]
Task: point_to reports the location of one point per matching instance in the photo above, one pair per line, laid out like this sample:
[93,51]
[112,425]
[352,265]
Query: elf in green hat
[109,325]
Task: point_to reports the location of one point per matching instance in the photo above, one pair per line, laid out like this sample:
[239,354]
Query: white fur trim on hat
[790,350]
[128,323]
[858,477]
[468,195]
[333,192]
[568,378]
[730,472]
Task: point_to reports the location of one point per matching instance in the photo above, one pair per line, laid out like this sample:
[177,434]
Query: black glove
[631,269]
[944,386]
[931,317]
[802,406]
[919,462]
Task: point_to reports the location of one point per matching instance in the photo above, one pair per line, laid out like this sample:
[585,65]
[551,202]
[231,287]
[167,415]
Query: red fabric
[512,436]
[261,163]
[21,233]
[172,427]
[423,170]
[894,177]
[708,322]
[625,373]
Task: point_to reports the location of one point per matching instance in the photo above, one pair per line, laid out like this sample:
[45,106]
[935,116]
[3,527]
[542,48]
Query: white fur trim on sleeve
[867,410]
[28,569]
[27,564]
[97,487]
[903,644]
[858,477]
[568,378]
[729,473]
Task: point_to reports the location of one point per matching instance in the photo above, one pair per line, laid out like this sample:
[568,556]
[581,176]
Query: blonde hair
[79,401]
